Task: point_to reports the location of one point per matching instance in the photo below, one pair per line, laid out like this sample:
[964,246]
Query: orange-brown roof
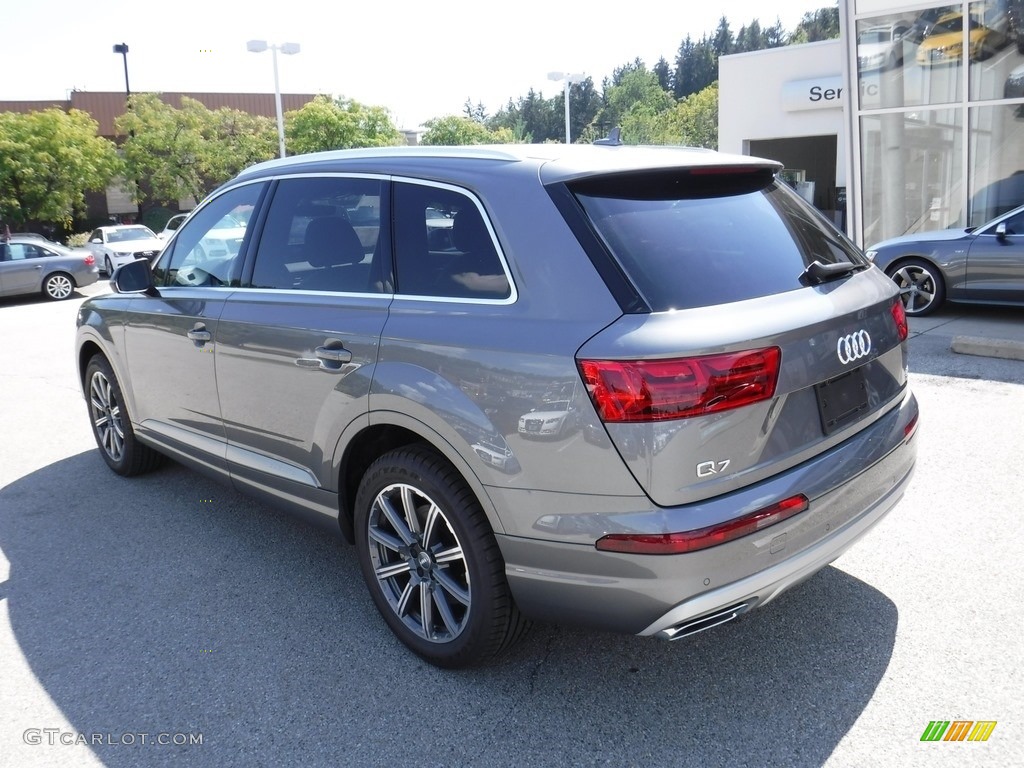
[105,106]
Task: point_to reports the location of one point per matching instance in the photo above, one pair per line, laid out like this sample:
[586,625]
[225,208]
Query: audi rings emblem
[853,346]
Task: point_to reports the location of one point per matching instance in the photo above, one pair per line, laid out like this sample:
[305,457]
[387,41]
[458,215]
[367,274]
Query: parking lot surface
[138,617]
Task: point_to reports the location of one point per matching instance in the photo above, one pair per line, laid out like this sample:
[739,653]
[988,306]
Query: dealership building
[892,129]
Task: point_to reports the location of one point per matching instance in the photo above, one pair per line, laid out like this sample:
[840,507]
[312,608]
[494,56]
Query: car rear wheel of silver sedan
[921,287]
[431,561]
[58,286]
[110,423]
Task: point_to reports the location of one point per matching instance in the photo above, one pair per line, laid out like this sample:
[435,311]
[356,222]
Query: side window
[323,233]
[443,247]
[206,253]
[1015,224]
[96,235]
[21,251]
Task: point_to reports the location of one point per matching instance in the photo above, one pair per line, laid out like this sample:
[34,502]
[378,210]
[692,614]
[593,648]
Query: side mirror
[1001,230]
[97,240]
[134,277]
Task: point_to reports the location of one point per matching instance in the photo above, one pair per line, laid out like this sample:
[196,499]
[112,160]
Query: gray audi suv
[718,375]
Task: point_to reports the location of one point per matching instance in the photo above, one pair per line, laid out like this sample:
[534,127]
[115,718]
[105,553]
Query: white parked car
[881,47]
[172,225]
[116,245]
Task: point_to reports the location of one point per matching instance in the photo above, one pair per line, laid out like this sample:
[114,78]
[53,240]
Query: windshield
[129,233]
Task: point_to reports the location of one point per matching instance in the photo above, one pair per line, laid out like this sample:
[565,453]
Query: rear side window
[691,240]
[443,248]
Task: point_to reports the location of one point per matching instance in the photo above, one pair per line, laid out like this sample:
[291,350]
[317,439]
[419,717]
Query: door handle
[334,354]
[199,334]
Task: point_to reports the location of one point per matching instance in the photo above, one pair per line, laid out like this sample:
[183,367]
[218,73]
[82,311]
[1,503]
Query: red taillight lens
[657,390]
[899,316]
[702,538]
[90,260]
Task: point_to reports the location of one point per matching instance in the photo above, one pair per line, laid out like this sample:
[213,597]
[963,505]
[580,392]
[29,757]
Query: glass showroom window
[993,54]
[997,162]
[912,171]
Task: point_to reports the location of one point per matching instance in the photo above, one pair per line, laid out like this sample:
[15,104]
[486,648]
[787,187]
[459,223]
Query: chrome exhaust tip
[701,623]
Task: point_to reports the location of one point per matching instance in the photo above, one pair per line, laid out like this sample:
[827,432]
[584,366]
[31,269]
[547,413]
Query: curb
[1003,348]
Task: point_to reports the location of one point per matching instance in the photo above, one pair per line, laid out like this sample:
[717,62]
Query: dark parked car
[982,265]
[35,265]
[734,369]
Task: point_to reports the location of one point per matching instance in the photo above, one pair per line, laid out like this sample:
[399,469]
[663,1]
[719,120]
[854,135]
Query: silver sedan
[28,265]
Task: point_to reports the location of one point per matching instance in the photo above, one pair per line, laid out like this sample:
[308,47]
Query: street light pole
[122,48]
[259,46]
[568,79]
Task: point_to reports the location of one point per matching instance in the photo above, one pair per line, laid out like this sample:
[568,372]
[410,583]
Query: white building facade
[925,103]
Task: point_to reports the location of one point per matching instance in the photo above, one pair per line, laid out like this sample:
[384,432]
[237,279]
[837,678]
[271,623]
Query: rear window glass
[697,240]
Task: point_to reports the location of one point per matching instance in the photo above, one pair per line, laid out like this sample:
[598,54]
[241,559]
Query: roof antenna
[612,139]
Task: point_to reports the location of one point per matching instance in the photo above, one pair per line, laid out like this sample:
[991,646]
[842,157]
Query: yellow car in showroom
[944,44]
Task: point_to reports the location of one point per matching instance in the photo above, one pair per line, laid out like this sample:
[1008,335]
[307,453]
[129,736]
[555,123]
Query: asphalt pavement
[171,609]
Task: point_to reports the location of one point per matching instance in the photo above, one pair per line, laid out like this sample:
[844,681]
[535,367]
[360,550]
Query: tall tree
[822,24]
[632,104]
[458,130]
[775,36]
[48,160]
[340,123]
[663,71]
[189,151]
[475,111]
[722,43]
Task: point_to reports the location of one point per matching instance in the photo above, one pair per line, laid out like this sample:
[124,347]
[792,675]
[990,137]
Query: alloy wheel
[59,286]
[918,288]
[106,416]
[419,563]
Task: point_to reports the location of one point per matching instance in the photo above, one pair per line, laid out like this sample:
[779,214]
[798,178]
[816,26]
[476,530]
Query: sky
[418,59]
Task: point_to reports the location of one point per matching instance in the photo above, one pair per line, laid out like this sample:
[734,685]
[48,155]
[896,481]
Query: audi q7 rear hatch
[760,336]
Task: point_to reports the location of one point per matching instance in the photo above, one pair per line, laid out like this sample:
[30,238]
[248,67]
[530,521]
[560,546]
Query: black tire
[441,588]
[922,289]
[108,268]
[58,286]
[111,426]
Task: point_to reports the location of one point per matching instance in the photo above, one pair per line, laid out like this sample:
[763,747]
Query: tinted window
[443,247]
[322,234]
[207,251]
[690,242]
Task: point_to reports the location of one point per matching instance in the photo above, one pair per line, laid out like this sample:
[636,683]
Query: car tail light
[657,390]
[703,538]
[899,316]
[89,260]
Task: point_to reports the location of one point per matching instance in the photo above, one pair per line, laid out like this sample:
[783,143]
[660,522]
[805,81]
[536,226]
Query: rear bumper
[673,595]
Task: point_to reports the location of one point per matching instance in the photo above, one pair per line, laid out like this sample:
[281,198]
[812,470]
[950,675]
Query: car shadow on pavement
[169,604]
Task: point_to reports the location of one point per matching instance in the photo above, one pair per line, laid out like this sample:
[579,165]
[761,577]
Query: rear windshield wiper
[817,273]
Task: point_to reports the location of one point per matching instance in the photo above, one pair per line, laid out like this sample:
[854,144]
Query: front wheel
[110,423]
[922,289]
[431,560]
[108,267]
[58,286]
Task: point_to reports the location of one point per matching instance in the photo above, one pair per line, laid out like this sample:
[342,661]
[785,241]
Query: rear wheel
[110,423]
[921,287]
[431,560]
[58,286]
